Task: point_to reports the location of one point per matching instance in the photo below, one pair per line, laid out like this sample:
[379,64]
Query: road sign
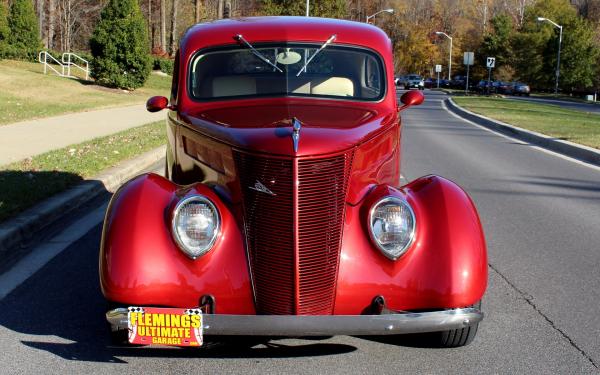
[469,58]
[438,68]
[491,62]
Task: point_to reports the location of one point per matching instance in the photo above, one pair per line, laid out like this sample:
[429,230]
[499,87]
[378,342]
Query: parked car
[445,83]
[519,88]
[485,87]
[505,88]
[398,80]
[281,212]
[458,82]
[413,81]
[430,83]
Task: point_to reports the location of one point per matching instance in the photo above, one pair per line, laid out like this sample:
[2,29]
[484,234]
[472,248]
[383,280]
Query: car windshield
[336,72]
[414,77]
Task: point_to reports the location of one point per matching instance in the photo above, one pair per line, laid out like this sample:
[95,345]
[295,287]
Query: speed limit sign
[491,62]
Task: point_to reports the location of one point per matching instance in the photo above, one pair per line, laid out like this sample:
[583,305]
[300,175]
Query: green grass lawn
[563,97]
[26,92]
[575,126]
[27,182]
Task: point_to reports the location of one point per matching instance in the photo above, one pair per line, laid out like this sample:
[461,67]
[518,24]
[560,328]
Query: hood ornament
[259,186]
[296,133]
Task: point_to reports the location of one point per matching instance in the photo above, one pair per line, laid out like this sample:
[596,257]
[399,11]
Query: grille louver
[294,274]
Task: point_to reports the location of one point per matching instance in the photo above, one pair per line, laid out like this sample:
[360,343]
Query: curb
[20,229]
[570,149]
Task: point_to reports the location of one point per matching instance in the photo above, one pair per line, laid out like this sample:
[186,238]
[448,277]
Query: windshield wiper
[240,38]
[331,39]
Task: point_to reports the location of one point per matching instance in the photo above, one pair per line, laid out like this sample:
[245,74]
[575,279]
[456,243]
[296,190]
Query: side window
[372,74]
[175,81]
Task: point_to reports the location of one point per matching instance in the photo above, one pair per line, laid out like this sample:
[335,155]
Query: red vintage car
[282,212]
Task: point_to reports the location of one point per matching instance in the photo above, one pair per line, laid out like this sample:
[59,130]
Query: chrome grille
[294,274]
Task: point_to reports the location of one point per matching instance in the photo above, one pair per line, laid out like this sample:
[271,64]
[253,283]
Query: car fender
[141,264]
[445,267]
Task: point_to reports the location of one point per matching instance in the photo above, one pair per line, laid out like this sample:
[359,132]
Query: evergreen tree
[23,30]
[498,43]
[4,30]
[318,8]
[119,46]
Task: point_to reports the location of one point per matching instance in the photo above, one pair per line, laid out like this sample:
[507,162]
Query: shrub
[24,34]
[4,30]
[119,46]
[163,64]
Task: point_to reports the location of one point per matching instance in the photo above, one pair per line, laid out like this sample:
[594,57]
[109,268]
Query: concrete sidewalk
[33,137]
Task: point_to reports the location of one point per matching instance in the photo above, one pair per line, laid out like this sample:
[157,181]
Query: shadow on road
[64,300]
[547,186]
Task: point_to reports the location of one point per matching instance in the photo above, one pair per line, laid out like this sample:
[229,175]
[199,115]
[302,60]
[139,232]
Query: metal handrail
[68,63]
[47,65]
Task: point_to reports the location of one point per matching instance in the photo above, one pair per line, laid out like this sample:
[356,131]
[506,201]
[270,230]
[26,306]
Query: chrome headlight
[392,226]
[196,225]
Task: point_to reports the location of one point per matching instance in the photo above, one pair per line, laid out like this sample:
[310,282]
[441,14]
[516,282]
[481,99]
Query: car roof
[272,29]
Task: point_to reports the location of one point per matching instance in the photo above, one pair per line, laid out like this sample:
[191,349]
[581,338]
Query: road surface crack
[529,299]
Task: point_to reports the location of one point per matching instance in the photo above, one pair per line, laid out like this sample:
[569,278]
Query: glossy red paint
[446,266]
[273,29]
[157,103]
[411,98]
[140,264]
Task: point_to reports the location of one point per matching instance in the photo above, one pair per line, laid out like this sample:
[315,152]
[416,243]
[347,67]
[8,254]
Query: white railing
[44,57]
[66,62]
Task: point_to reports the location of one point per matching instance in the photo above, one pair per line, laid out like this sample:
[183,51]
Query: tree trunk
[150,28]
[51,22]
[40,10]
[67,26]
[198,5]
[163,26]
[174,28]
[220,9]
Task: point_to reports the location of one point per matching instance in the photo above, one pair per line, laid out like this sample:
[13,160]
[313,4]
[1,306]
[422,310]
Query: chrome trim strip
[324,325]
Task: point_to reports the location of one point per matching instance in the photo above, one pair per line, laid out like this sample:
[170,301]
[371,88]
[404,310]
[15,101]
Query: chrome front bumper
[325,325]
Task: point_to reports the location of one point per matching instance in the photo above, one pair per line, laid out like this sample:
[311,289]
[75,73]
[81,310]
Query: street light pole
[381,11]
[450,54]
[307,7]
[560,28]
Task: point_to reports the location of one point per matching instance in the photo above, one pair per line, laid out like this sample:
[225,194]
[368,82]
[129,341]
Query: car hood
[326,127]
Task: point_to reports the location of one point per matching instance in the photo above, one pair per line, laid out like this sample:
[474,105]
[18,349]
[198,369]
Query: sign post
[469,58]
[438,70]
[490,63]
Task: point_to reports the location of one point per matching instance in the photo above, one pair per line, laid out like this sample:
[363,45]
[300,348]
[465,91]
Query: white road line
[568,158]
[44,253]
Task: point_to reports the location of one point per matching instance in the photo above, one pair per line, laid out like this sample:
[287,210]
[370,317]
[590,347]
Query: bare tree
[51,23]
[197,10]
[163,26]
[39,6]
[173,38]
[76,20]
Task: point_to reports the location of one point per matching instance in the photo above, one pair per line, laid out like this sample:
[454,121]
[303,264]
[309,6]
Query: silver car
[413,81]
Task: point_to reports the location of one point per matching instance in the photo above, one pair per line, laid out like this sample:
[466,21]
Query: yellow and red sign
[165,326]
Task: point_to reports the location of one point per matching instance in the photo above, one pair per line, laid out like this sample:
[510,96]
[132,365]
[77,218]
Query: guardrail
[68,59]
[43,59]
[69,63]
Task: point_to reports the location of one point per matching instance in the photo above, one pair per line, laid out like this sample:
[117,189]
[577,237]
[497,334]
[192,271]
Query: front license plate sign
[165,326]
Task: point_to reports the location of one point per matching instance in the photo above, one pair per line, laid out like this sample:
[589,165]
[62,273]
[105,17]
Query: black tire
[119,338]
[454,338]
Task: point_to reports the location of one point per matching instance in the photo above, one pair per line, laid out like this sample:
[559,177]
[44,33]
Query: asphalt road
[541,214]
[584,107]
